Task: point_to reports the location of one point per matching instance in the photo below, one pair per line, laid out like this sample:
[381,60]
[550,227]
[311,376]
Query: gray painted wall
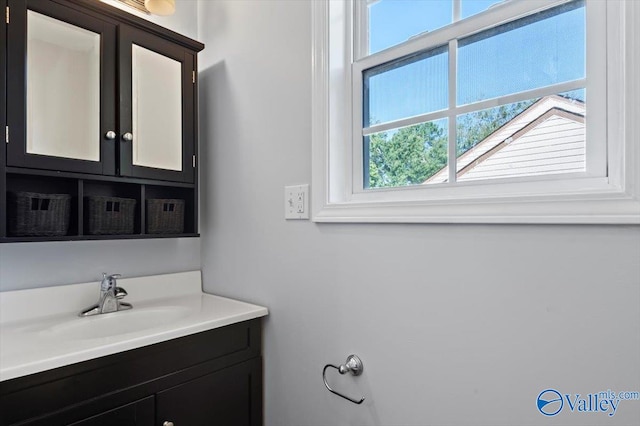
[456,325]
[28,265]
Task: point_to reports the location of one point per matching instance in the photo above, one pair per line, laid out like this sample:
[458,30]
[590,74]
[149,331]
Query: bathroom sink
[116,323]
[40,328]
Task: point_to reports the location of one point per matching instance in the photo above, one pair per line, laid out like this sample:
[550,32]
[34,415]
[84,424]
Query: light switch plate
[296,202]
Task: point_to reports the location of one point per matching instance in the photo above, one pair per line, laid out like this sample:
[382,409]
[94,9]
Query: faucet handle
[108,281]
[120,292]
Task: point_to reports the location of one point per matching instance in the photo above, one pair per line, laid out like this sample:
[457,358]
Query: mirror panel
[156,110]
[63,89]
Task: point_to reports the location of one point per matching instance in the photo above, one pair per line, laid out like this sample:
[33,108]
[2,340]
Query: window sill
[618,211]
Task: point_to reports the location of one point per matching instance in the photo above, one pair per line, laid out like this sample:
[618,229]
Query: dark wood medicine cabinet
[96,102]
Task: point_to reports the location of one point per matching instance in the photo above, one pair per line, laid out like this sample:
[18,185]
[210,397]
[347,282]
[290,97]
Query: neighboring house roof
[546,138]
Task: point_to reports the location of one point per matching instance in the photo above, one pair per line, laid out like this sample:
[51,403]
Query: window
[475,111]
[414,108]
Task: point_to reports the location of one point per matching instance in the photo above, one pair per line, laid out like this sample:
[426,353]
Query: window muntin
[545,56]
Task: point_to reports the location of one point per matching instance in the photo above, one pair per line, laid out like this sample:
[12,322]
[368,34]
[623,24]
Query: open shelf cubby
[82,189]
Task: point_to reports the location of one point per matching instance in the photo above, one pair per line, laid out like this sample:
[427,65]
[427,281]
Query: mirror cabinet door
[157,107]
[156,85]
[61,89]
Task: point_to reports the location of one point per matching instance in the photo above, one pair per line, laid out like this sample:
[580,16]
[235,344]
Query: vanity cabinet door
[140,413]
[232,396]
[157,107]
[60,89]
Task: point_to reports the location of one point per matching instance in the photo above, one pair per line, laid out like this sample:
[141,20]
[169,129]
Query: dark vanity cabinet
[135,414]
[99,103]
[209,378]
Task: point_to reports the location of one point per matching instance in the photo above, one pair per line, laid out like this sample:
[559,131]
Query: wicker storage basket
[34,214]
[165,216]
[110,215]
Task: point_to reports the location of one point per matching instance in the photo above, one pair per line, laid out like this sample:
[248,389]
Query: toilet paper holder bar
[354,366]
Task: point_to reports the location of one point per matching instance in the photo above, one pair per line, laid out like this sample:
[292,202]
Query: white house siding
[555,146]
[507,130]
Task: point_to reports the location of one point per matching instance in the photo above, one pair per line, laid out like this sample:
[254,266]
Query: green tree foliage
[407,156]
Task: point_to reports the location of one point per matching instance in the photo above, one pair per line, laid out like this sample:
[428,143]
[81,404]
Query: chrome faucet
[110,298]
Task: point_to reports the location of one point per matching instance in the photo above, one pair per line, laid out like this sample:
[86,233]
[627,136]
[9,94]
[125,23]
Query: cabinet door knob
[128,137]
[167,424]
[111,135]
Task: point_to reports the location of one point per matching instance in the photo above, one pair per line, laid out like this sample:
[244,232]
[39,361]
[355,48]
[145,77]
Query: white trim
[563,212]
[613,200]
[596,159]
[452,119]
[629,104]
[619,128]
[361,22]
[320,105]
[457,10]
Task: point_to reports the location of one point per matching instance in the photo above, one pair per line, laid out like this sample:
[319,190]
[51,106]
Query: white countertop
[40,328]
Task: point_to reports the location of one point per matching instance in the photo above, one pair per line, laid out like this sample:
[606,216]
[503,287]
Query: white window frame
[597,197]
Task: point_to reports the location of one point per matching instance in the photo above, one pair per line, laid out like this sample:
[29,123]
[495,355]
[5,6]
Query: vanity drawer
[81,390]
